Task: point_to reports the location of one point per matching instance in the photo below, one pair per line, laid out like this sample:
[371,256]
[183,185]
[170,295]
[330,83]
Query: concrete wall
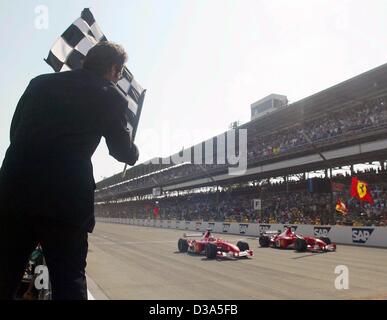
[361,236]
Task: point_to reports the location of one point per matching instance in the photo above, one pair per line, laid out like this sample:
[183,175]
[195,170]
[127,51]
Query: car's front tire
[300,245]
[243,246]
[211,250]
[182,245]
[264,241]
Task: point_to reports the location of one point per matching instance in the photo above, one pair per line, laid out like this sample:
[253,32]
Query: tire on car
[182,245]
[326,240]
[243,246]
[264,241]
[211,250]
[300,245]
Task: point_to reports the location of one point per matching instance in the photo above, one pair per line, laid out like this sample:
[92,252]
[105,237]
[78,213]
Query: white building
[268,104]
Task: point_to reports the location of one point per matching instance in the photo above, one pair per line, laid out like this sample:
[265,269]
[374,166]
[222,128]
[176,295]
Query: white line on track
[89,295]
[133,242]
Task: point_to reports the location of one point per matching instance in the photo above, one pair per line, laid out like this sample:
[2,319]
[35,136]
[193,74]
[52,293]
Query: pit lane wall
[361,236]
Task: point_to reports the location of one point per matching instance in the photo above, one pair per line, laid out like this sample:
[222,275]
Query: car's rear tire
[243,246]
[300,245]
[182,245]
[211,250]
[326,240]
[264,241]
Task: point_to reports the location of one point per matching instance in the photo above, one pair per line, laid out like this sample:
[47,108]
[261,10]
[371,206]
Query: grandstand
[340,126]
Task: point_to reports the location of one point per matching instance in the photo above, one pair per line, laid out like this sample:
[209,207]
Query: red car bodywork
[219,248]
[289,239]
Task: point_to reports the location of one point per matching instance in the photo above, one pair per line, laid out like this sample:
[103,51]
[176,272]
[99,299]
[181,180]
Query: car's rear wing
[207,233]
[270,232]
[188,235]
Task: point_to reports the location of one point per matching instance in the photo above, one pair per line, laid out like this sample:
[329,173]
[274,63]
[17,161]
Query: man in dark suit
[46,179]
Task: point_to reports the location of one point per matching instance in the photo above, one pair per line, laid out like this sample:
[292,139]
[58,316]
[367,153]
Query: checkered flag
[69,50]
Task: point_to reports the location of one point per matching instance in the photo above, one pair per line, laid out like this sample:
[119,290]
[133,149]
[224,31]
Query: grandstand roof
[370,84]
[138,170]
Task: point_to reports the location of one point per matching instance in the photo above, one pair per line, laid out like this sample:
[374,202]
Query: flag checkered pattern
[69,50]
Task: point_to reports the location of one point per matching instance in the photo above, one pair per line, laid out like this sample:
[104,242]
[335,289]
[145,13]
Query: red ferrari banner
[360,190]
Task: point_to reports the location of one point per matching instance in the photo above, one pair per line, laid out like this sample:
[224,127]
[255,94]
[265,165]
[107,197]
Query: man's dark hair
[103,56]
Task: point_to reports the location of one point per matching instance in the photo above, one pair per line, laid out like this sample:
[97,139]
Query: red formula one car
[288,239]
[213,247]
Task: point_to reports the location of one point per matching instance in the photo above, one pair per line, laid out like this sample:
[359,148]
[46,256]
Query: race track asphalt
[143,263]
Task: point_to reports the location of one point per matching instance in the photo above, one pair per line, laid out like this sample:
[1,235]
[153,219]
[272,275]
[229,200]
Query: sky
[203,62]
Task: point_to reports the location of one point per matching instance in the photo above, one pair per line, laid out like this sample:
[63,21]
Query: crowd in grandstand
[323,129]
[290,203]
[280,204]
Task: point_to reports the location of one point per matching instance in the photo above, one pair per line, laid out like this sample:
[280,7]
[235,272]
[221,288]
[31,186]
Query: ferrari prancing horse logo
[361,189]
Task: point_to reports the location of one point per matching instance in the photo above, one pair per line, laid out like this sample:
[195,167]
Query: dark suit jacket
[57,126]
